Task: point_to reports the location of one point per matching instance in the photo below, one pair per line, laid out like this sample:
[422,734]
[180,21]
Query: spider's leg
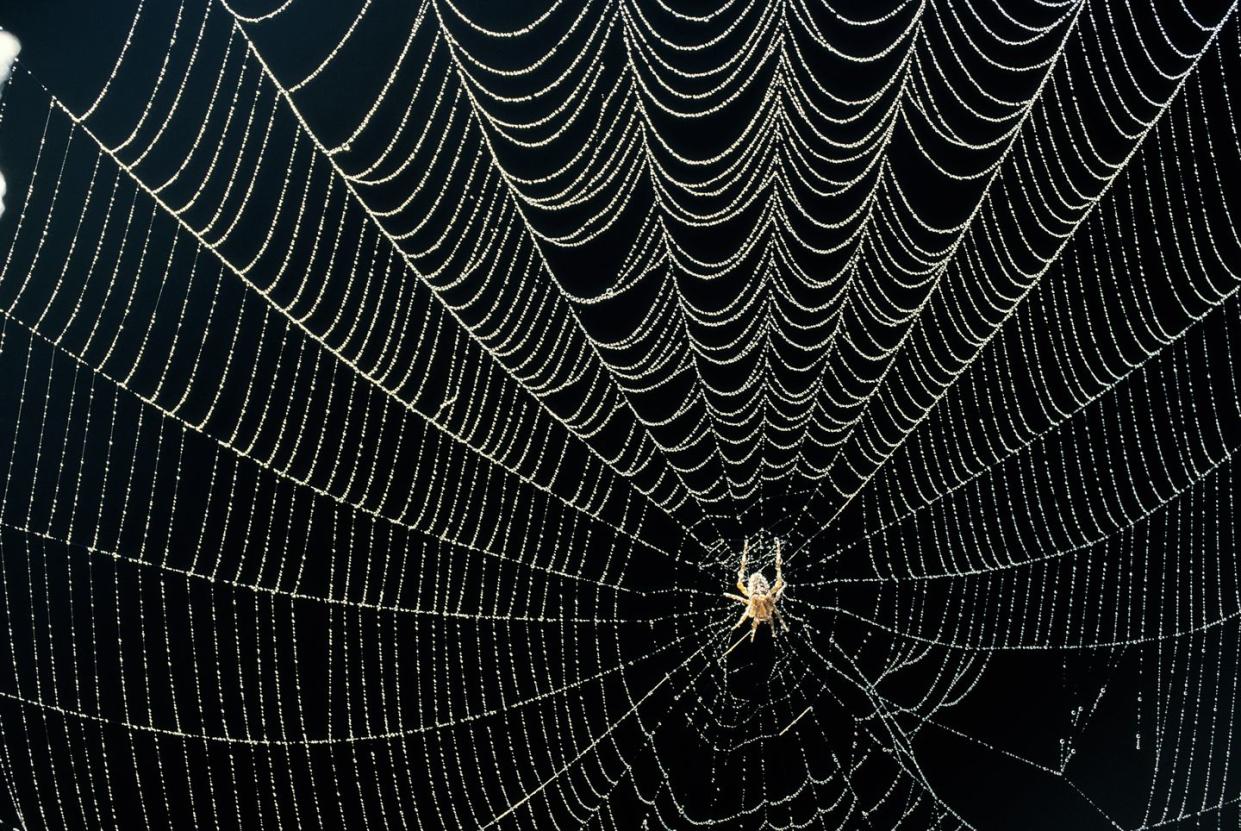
[744,615]
[754,630]
[779,585]
[736,597]
[741,586]
[780,618]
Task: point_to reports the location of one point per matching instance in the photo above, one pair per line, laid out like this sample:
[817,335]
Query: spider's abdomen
[758,584]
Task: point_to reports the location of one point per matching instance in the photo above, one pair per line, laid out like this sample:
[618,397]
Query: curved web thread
[379,458]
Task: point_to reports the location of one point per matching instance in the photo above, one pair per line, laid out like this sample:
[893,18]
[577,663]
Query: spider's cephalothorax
[760,598]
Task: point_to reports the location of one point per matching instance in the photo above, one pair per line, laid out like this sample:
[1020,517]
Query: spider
[759,598]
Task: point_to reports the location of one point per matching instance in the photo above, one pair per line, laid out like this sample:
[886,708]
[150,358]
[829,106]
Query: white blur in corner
[9,47]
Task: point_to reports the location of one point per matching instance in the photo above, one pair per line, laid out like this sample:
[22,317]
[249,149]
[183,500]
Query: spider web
[389,390]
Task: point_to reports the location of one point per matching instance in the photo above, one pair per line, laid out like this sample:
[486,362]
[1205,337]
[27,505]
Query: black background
[1022,706]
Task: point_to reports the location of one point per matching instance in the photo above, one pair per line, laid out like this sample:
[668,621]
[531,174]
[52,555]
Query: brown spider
[759,598]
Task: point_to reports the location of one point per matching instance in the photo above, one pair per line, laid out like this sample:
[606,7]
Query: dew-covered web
[388,390]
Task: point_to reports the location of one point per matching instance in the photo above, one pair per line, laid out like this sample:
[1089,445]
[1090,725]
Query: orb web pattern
[391,388]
